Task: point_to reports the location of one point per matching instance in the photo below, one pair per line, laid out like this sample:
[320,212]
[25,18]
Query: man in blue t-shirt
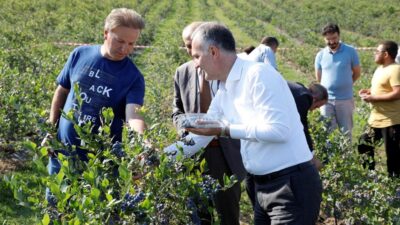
[337,67]
[106,77]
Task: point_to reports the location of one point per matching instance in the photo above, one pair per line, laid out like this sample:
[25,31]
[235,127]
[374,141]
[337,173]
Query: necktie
[205,94]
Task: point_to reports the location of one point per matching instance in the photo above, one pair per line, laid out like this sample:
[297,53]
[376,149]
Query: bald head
[187,34]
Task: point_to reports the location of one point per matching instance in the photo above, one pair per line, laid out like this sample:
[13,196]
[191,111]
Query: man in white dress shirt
[261,113]
[193,94]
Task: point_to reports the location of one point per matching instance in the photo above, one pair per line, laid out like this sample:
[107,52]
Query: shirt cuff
[237,131]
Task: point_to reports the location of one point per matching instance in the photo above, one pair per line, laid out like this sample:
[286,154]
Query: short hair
[249,49]
[330,28]
[123,17]
[189,29]
[270,41]
[391,47]
[318,91]
[214,33]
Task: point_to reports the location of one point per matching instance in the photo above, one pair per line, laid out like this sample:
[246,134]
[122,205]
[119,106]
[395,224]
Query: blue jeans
[52,168]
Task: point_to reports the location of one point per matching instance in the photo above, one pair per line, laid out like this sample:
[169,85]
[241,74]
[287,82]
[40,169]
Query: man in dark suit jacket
[222,154]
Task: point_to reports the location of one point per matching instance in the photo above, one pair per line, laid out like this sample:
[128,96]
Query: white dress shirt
[261,111]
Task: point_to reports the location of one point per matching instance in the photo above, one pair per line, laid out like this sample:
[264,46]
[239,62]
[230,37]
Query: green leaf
[106,129]
[124,173]
[66,197]
[227,181]
[43,151]
[109,197]
[91,155]
[30,145]
[77,222]
[95,194]
[55,189]
[46,219]
[202,165]
[19,194]
[60,176]
[113,202]
[89,176]
[179,156]
[146,204]
[39,163]
[105,183]
[34,200]
[108,114]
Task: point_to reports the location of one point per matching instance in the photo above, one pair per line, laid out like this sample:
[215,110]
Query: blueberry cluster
[398,193]
[209,186]
[160,207]
[117,150]
[162,216]
[152,160]
[189,142]
[131,201]
[52,200]
[194,215]
[164,220]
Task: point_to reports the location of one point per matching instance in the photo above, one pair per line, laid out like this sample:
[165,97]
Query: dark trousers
[290,196]
[250,189]
[391,140]
[226,202]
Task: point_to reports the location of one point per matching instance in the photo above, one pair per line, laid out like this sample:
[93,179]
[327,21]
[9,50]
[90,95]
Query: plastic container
[199,120]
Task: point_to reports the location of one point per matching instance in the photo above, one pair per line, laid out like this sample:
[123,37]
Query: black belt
[286,171]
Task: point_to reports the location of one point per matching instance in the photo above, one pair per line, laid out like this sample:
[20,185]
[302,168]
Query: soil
[10,159]
[7,165]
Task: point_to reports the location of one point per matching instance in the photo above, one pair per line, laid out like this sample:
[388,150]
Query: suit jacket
[186,100]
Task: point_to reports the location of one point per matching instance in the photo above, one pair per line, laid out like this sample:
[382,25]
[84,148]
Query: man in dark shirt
[308,99]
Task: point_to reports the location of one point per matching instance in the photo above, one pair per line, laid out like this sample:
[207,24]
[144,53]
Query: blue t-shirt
[102,83]
[337,73]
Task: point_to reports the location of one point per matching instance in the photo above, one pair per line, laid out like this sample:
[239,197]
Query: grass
[10,212]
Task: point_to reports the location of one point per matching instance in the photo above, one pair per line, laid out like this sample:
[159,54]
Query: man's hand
[317,163]
[46,138]
[205,131]
[45,142]
[365,95]
[364,92]
[134,119]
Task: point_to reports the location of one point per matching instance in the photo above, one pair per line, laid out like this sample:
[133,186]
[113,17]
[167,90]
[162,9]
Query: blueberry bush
[133,181]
